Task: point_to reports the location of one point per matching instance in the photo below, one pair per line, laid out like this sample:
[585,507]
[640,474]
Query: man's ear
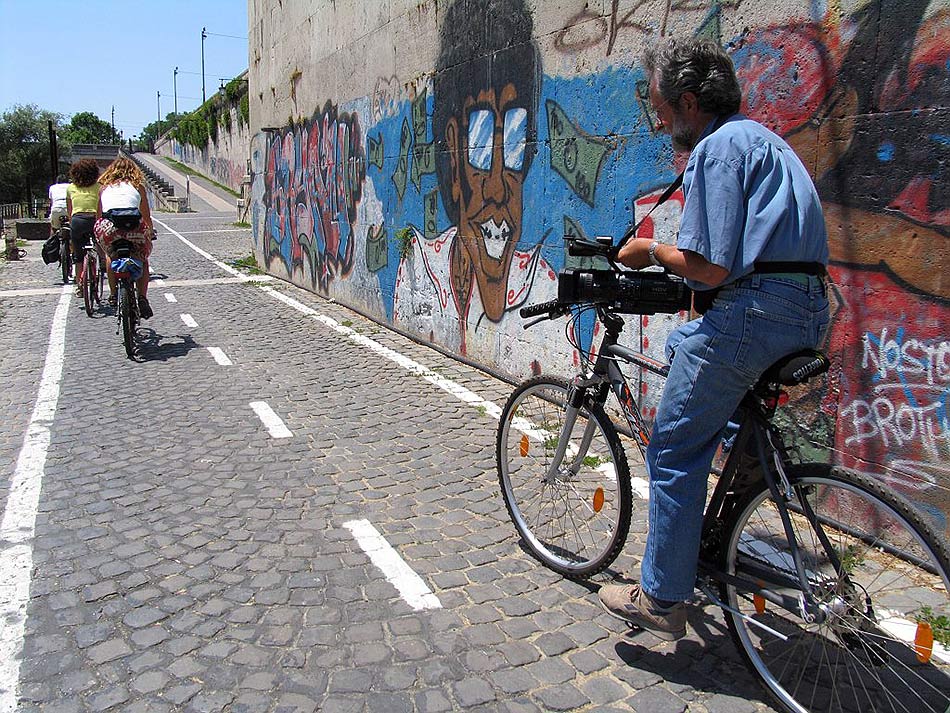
[454,147]
[688,102]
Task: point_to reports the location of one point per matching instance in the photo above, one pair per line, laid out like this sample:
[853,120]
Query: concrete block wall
[225,159]
[363,188]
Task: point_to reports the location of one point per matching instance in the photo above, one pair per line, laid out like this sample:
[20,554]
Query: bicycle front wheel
[100,280]
[127,318]
[89,278]
[574,515]
[880,574]
[65,261]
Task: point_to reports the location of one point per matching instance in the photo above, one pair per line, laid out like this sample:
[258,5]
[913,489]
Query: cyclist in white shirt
[58,211]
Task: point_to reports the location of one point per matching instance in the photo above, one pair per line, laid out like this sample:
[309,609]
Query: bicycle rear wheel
[574,520]
[873,651]
[89,278]
[127,318]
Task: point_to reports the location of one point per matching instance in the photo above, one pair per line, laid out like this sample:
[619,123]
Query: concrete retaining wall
[224,160]
[363,190]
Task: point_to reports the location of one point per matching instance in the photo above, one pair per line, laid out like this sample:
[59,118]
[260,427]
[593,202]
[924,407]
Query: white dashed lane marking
[170,297]
[189,320]
[271,420]
[409,584]
[220,356]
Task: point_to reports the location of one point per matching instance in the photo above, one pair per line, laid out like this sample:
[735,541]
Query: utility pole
[113,123]
[159,114]
[204,34]
[53,150]
[175,89]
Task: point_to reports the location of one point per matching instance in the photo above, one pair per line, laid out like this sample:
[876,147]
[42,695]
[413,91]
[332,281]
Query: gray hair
[694,65]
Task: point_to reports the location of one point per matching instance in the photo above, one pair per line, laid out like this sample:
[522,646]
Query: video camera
[624,292]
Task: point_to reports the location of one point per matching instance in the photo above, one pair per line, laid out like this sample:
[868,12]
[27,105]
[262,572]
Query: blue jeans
[753,323]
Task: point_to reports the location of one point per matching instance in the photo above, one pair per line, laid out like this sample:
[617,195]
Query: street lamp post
[204,33]
[175,88]
[159,99]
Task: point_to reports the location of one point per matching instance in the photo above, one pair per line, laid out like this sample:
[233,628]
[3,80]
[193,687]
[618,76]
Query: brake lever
[536,321]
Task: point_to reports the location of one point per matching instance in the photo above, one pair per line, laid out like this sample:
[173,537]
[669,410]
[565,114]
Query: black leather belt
[703,299]
[805,268]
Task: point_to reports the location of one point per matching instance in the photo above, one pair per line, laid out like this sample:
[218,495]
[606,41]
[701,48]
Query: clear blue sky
[91,55]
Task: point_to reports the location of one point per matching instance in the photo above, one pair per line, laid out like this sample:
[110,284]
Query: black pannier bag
[124,218]
[50,250]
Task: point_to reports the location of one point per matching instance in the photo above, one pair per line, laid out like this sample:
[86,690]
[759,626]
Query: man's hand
[635,253]
[685,263]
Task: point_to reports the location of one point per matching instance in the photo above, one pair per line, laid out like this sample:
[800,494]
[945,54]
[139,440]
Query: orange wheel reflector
[524,446]
[598,499]
[924,641]
[759,601]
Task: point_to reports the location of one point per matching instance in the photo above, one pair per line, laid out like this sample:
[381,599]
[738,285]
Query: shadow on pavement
[712,664]
[153,346]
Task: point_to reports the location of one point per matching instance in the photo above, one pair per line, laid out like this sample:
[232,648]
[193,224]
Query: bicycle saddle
[795,368]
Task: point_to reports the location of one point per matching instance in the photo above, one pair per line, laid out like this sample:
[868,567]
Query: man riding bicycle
[752,244]
[58,210]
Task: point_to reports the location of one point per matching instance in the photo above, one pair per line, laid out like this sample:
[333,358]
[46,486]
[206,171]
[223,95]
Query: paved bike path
[186,559]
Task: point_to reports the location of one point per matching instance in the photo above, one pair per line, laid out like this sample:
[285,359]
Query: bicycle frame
[755,430]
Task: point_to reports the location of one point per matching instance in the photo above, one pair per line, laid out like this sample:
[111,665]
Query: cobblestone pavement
[186,560]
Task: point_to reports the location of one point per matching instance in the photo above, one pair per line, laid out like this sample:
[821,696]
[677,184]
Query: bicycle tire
[89,278]
[65,260]
[578,524]
[863,656]
[101,279]
[127,318]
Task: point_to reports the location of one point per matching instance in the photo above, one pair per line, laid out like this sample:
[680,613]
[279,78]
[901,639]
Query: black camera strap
[664,197]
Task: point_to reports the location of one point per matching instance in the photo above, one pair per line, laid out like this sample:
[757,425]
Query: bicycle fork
[576,396]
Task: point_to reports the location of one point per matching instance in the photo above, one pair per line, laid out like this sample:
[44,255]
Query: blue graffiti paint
[885,152]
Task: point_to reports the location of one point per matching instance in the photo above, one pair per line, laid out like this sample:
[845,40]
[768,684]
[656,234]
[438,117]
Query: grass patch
[248,263]
[192,172]
[241,224]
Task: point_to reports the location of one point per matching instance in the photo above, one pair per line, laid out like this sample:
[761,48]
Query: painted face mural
[485,114]
[487,152]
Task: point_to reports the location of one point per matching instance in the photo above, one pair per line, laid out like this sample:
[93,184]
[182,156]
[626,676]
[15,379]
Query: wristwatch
[652,252]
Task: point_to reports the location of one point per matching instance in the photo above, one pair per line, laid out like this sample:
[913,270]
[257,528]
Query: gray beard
[683,139]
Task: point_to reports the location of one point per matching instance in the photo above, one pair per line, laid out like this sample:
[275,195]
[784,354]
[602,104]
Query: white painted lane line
[225,230]
[159,282]
[19,515]
[209,256]
[220,356]
[188,320]
[270,419]
[409,584]
[170,297]
[415,367]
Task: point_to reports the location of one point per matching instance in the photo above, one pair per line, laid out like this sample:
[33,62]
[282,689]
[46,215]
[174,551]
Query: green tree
[150,133]
[25,170]
[87,128]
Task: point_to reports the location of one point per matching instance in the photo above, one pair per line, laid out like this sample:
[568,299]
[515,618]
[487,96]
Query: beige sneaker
[631,604]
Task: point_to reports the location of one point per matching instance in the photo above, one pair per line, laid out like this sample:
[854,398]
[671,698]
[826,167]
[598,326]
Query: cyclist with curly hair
[82,202]
[123,188]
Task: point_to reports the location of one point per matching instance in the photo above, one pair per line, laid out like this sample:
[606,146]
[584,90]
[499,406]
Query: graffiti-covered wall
[422,161]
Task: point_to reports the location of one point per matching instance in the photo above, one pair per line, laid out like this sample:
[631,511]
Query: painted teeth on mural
[495,237]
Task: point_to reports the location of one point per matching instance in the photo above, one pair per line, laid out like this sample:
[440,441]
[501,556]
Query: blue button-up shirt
[748,199]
